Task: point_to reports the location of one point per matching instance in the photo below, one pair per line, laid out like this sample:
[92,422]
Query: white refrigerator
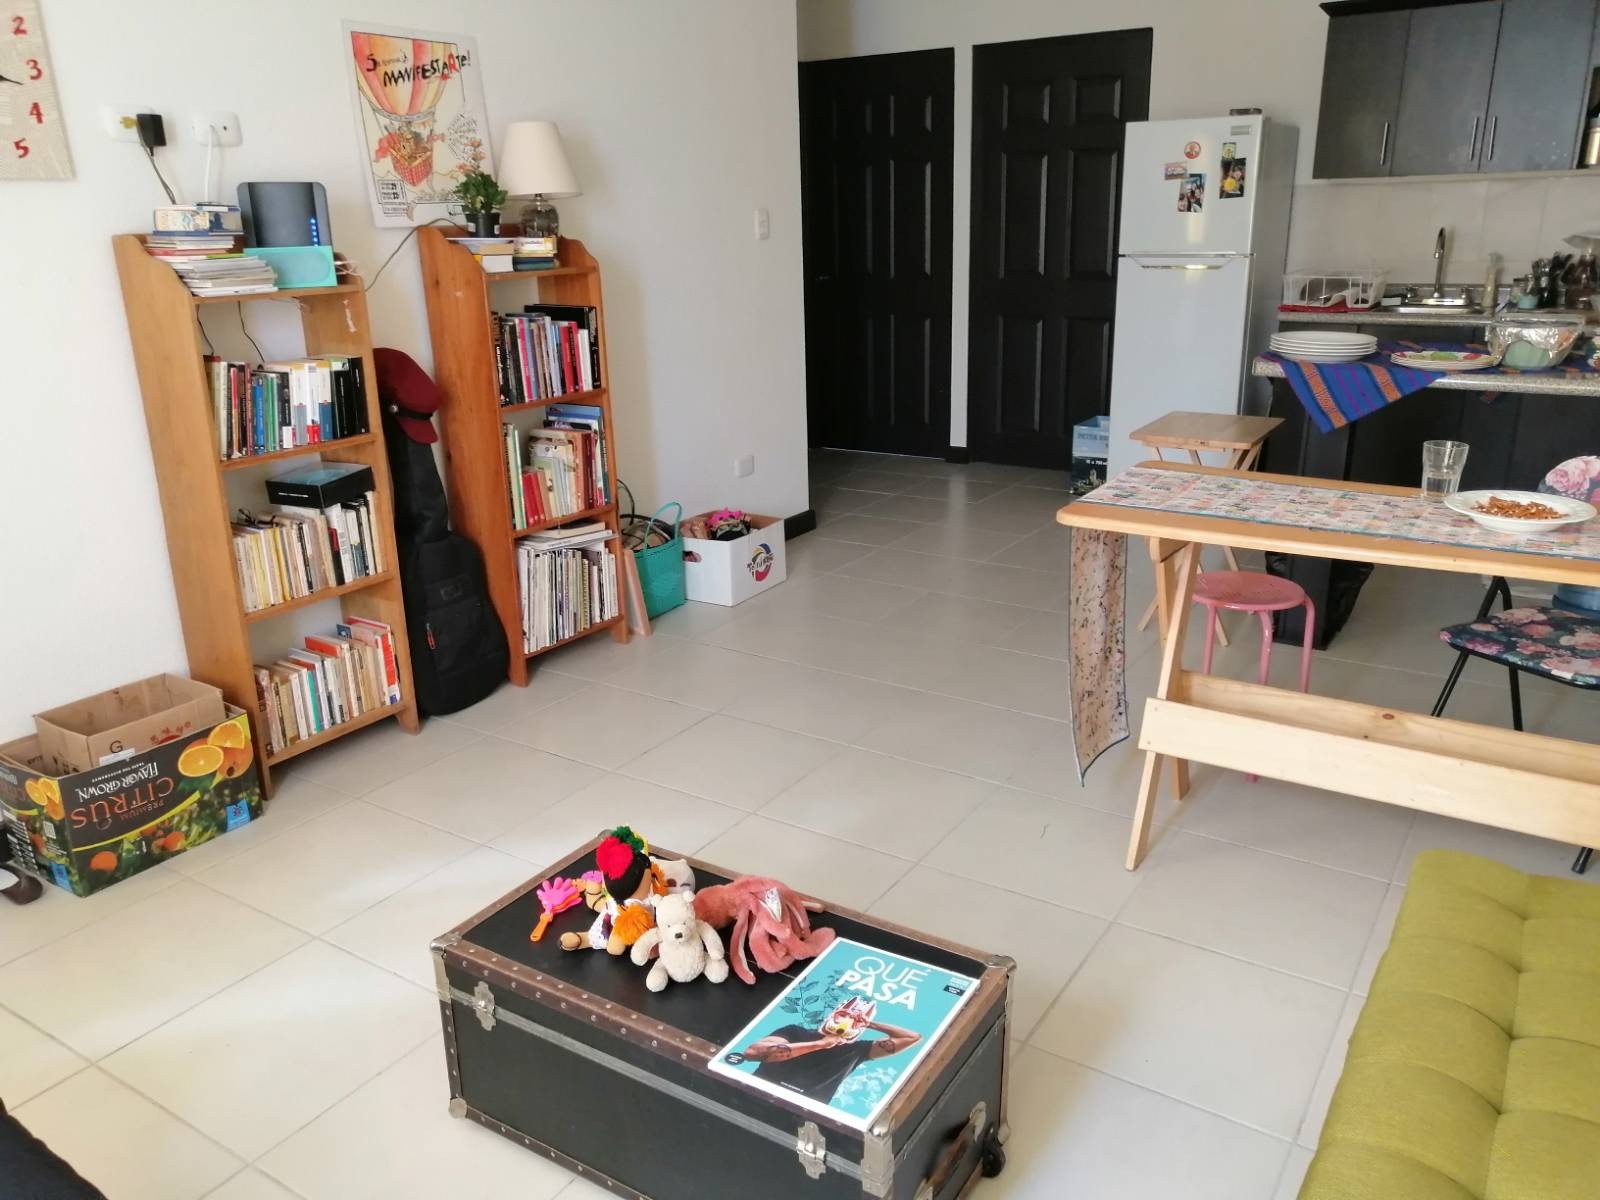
[1204,232]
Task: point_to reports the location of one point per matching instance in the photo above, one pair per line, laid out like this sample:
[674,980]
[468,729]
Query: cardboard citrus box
[115,724]
[731,572]
[86,830]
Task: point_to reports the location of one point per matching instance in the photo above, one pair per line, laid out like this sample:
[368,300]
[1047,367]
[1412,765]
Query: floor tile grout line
[1144,1087]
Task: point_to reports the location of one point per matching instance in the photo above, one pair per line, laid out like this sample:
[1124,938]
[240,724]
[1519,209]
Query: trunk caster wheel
[992,1158]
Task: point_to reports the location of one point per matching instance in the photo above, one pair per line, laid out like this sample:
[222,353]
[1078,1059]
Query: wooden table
[1544,786]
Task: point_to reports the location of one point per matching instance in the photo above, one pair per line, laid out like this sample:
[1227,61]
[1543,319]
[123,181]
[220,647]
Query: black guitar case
[458,646]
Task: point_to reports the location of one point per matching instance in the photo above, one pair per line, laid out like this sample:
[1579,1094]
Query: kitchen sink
[1456,307]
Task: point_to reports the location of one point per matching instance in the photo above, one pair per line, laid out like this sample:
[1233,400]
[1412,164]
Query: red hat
[407,394]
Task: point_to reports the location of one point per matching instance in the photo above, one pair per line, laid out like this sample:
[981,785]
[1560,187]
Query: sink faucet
[1438,268]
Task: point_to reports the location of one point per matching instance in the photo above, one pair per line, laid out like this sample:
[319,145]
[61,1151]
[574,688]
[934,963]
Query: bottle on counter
[1490,300]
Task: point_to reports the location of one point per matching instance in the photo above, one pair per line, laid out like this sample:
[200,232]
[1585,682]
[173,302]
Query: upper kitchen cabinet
[1536,103]
[1441,87]
[1361,94]
[1444,91]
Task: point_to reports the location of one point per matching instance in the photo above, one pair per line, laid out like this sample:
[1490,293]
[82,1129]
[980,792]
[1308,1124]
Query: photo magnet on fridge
[1233,178]
[1192,193]
[1230,150]
[1192,150]
[1175,170]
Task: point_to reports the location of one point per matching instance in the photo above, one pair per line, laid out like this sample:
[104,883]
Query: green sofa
[1474,1069]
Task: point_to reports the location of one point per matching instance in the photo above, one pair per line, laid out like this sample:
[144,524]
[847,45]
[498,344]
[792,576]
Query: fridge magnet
[1174,170]
[1230,150]
[1192,193]
[1233,176]
[1192,150]
[418,101]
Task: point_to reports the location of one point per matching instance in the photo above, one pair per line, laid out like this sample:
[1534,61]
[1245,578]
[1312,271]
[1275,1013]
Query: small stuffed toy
[618,894]
[770,916]
[685,945]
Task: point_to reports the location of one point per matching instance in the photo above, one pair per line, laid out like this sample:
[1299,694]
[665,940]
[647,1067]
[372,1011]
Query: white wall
[1210,56]
[680,119]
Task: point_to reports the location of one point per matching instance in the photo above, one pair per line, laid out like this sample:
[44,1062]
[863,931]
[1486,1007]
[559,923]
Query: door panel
[1047,143]
[1444,99]
[1361,74]
[876,153]
[1540,81]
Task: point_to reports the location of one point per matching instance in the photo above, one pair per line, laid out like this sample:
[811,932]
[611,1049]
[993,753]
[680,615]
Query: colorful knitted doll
[620,897]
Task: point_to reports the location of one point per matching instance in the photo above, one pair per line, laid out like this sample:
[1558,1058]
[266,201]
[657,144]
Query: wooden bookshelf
[462,301]
[169,351]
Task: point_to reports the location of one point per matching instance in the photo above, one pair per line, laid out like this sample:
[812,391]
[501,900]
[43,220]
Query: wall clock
[33,139]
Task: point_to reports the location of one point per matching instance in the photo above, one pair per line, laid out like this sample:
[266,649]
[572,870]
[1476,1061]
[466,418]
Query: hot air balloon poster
[419,106]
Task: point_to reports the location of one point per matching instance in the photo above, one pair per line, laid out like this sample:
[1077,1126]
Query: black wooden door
[1360,94]
[876,148]
[1444,98]
[1541,77]
[1047,137]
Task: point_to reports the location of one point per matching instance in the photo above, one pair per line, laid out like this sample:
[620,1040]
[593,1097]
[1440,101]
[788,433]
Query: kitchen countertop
[1378,316]
[1479,381]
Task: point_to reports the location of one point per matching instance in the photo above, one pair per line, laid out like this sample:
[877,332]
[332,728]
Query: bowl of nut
[1519,513]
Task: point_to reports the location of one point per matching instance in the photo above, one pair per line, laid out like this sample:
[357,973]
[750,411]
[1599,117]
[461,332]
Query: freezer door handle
[1200,261]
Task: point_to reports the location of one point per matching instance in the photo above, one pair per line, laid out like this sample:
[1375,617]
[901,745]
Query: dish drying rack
[1325,289]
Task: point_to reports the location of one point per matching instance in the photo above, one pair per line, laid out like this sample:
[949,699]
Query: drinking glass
[1441,468]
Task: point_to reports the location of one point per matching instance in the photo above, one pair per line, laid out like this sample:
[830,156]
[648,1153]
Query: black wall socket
[152,132]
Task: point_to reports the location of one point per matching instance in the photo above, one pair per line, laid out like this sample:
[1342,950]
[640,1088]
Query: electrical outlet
[226,125]
[744,465]
[120,123]
[763,225]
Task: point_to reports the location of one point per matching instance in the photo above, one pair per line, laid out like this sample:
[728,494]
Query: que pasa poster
[418,101]
[847,1033]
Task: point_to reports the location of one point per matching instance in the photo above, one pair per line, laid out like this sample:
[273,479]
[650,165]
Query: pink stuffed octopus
[768,916]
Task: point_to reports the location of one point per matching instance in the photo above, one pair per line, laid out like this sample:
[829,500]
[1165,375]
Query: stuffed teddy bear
[686,946]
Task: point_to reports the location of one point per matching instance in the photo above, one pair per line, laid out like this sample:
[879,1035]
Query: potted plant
[481,198]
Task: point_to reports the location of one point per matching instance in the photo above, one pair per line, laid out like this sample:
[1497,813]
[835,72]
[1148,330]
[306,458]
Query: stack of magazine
[568,580]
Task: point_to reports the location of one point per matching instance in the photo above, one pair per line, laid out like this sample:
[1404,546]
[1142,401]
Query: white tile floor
[254,1021]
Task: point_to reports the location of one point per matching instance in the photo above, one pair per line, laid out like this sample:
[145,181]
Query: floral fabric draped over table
[1097,649]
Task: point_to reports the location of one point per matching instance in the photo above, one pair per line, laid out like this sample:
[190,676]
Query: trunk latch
[812,1149]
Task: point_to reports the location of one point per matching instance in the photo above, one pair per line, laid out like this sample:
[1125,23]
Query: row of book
[557,470]
[568,581]
[293,552]
[500,255]
[286,405]
[334,679]
[547,350]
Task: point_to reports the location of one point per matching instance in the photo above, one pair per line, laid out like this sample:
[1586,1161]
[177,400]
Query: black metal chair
[1523,639]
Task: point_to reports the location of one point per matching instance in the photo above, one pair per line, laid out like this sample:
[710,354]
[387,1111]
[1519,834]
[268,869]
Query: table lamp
[533,163]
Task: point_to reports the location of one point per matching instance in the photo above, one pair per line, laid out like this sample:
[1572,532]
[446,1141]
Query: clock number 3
[21,147]
[19,28]
[35,71]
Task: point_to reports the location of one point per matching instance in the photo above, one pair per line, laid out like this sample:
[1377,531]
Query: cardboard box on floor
[730,573]
[85,830]
[116,724]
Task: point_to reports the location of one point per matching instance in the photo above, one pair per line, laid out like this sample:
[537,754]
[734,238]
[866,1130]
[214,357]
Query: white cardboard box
[731,572]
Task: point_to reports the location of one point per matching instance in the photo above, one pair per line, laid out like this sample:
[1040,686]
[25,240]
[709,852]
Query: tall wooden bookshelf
[462,301]
[168,349]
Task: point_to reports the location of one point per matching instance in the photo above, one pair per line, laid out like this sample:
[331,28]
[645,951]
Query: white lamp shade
[533,162]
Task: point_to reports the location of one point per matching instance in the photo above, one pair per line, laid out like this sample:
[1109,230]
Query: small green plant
[479,193]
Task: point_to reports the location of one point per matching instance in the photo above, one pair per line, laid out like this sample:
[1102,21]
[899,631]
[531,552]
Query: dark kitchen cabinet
[1444,95]
[1541,75]
[1361,76]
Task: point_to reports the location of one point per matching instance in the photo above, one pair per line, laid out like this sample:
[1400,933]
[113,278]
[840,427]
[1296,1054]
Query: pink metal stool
[1262,594]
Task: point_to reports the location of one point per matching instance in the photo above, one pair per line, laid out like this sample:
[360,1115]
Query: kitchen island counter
[1531,383]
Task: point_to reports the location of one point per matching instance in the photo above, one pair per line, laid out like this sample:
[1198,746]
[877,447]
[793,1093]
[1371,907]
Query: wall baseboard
[801,522]
[957,454]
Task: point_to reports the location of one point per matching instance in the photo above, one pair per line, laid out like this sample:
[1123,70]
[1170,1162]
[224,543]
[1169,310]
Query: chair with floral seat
[1553,642]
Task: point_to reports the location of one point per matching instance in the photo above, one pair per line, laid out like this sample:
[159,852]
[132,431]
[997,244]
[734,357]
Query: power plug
[152,131]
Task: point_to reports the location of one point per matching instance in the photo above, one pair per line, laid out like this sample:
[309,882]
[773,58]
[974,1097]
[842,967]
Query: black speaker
[285,214]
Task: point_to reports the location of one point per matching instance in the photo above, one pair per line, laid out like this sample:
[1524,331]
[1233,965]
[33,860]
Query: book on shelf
[568,583]
[547,350]
[329,680]
[208,263]
[286,405]
[556,470]
[297,551]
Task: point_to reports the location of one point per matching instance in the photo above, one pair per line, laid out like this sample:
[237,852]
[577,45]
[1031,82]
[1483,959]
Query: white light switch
[763,225]
[744,465]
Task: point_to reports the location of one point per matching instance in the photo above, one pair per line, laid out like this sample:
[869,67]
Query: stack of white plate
[1323,345]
